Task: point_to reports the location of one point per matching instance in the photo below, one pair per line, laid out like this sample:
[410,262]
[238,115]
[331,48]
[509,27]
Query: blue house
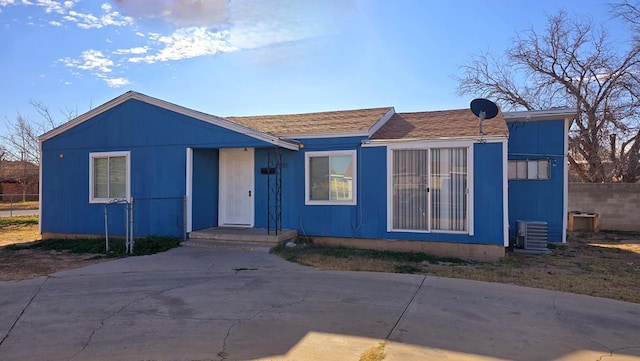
[425,181]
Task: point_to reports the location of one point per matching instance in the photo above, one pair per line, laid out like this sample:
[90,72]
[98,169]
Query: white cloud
[51,6]
[62,11]
[116,82]
[188,43]
[114,18]
[136,50]
[98,64]
[92,60]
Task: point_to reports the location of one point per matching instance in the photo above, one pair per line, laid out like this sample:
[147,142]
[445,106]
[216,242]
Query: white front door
[236,205]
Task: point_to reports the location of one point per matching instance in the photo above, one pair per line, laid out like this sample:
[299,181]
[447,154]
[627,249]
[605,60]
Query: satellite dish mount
[484,109]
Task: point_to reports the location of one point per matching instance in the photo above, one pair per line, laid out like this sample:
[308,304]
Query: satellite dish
[484,109]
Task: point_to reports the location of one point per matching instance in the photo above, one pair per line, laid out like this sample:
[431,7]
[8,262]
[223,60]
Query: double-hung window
[430,189]
[330,177]
[109,176]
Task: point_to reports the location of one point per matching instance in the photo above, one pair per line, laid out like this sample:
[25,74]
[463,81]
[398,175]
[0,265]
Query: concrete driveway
[229,304]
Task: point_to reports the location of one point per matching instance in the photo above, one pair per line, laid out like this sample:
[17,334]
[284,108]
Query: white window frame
[98,155]
[528,166]
[432,145]
[307,177]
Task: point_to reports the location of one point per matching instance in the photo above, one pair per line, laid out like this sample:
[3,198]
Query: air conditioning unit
[531,235]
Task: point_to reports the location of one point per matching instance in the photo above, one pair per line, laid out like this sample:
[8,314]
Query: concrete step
[229,245]
[255,235]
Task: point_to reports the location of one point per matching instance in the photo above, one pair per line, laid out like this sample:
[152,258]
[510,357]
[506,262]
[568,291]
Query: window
[429,189]
[529,169]
[330,177]
[449,185]
[109,176]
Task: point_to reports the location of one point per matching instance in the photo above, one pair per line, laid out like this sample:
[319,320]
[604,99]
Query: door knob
[249,193]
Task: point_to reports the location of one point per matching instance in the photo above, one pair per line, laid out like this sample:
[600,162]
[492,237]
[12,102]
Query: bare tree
[20,154]
[21,143]
[573,64]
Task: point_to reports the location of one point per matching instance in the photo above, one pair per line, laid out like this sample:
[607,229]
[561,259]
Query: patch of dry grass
[18,230]
[5,206]
[375,353]
[602,264]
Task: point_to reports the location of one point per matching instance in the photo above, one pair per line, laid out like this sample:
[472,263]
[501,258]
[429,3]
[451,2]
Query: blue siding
[157,139]
[205,188]
[368,219]
[538,200]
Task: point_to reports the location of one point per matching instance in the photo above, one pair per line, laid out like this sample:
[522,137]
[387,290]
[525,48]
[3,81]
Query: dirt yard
[30,263]
[25,264]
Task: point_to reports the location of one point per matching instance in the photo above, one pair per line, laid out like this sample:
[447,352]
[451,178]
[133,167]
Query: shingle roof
[335,122]
[439,124]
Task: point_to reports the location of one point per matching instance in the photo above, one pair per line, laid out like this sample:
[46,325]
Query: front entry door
[236,205]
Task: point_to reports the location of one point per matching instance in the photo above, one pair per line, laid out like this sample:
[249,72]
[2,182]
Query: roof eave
[381,142]
[534,115]
[212,119]
[323,135]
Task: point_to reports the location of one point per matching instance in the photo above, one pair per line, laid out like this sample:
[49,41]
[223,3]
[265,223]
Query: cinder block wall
[617,203]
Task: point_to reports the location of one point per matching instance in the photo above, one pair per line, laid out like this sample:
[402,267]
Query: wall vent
[531,235]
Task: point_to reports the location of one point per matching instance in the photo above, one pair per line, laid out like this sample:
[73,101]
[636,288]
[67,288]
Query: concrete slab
[227,304]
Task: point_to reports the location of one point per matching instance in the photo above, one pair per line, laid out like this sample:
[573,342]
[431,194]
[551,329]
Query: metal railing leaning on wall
[141,209]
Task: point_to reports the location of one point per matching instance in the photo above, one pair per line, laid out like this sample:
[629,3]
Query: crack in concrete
[102,321]
[611,351]
[395,325]
[558,314]
[614,351]
[223,354]
[24,309]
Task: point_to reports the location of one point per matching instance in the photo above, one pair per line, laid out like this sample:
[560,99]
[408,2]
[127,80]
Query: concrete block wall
[617,203]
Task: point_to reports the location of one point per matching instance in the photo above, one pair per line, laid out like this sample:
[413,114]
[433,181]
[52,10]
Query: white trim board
[189,189]
[127,157]
[469,145]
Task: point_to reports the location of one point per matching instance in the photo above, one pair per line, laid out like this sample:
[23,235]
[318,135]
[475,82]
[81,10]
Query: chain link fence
[19,204]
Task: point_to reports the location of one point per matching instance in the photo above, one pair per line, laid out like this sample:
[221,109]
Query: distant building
[18,178]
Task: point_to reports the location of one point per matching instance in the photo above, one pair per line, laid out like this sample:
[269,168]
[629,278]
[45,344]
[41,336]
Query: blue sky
[247,57]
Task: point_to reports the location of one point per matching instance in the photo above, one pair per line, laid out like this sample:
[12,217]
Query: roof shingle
[335,122]
[439,124]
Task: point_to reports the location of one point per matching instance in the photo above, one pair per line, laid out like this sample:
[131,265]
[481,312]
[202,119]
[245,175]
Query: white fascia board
[322,135]
[221,122]
[533,115]
[565,180]
[505,192]
[391,142]
[382,121]
[40,187]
